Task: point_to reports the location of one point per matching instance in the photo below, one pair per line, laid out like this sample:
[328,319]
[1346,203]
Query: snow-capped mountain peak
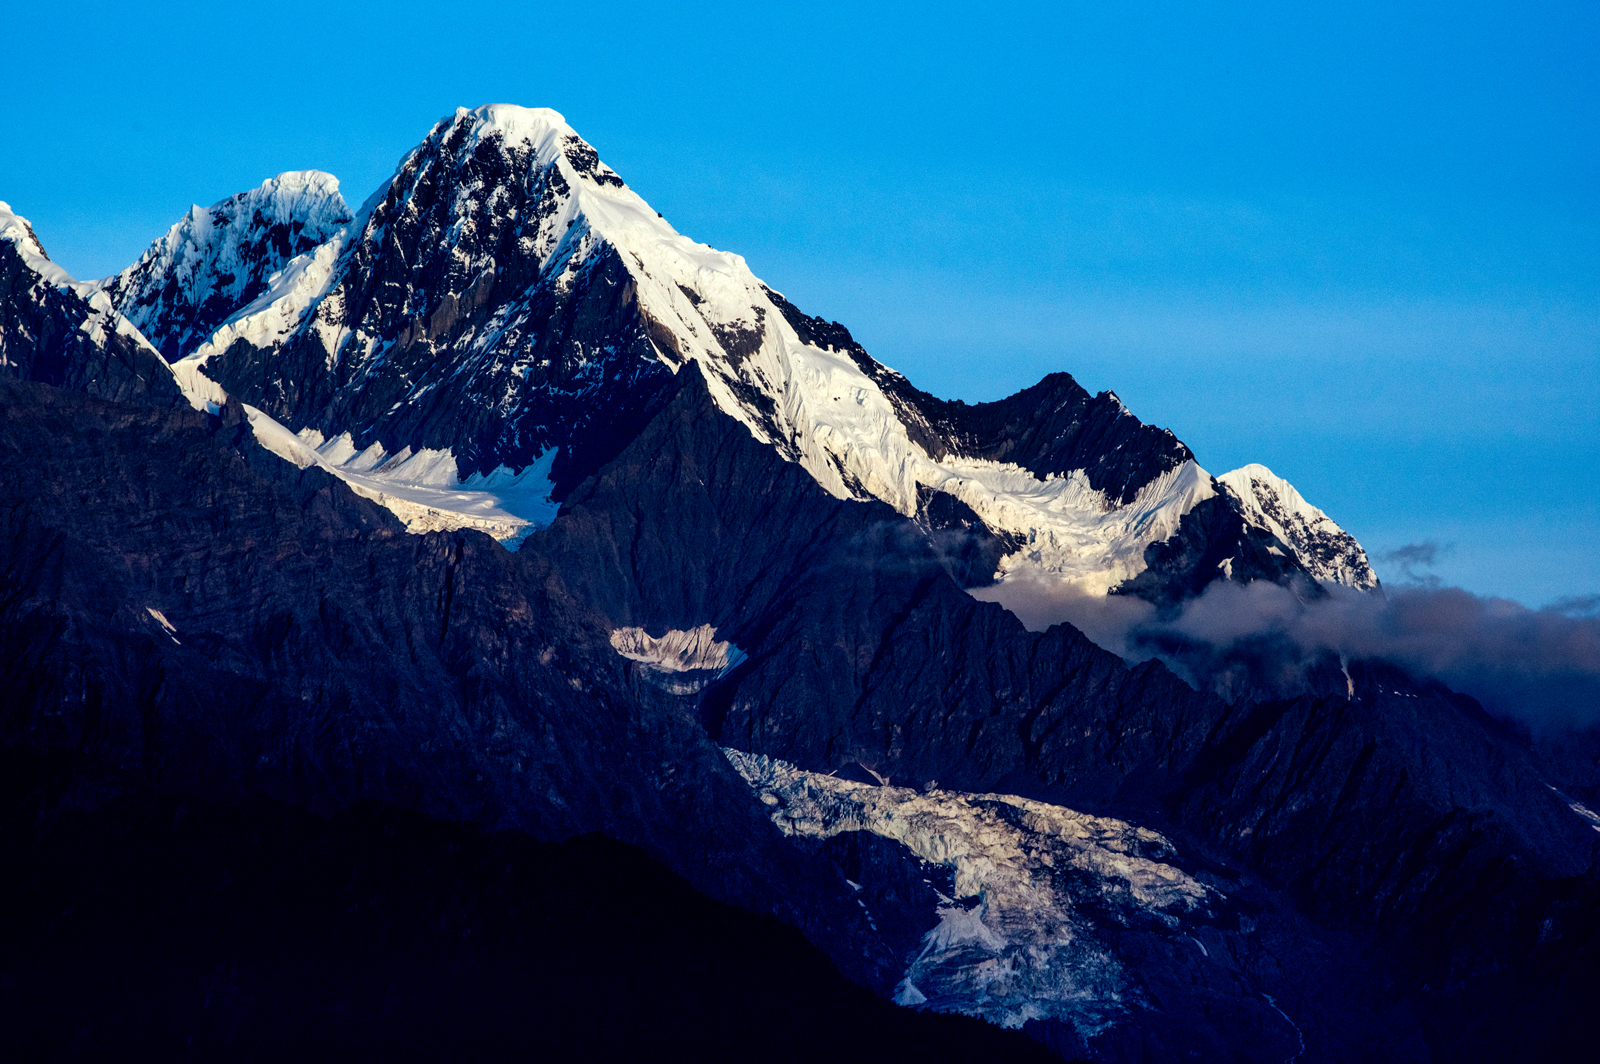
[65,332]
[101,316]
[508,301]
[217,259]
[1327,551]
[820,404]
[16,230]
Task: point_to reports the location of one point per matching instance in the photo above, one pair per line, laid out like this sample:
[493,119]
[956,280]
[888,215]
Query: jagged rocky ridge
[1400,880]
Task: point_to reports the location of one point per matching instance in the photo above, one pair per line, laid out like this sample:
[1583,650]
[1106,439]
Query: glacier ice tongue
[1017,942]
[424,489]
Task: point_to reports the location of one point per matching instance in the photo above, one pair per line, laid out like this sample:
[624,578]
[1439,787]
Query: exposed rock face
[862,651]
[211,620]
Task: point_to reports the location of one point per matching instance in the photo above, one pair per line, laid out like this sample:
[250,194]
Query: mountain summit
[507,302]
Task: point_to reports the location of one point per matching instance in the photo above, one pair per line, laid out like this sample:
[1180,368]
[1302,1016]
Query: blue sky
[1358,243]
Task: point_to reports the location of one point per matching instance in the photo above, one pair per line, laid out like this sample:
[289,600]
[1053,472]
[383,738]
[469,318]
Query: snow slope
[681,661]
[677,650]
[424,490]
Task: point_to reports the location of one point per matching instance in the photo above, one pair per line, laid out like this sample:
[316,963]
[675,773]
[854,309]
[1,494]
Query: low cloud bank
[1539,667]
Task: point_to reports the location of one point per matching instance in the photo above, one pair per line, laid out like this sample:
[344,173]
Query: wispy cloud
[1541,667]
[1414,557]
[1576,606]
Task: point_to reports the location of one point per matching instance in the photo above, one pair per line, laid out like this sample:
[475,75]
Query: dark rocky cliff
[43,338]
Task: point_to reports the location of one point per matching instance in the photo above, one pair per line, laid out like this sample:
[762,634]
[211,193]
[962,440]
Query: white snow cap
[534,125]
[15,229]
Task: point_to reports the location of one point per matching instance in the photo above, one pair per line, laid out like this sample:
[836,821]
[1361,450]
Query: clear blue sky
[1358,243]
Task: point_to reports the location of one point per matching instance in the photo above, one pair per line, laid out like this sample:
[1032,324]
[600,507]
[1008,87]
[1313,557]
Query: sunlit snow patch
[166,625]
[1012,945]
[424,489]
[1588,815]
[683,661]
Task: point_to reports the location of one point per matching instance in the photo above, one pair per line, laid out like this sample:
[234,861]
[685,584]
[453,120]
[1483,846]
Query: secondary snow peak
[65,332]
[218,259]
[17,231]
[1327,551]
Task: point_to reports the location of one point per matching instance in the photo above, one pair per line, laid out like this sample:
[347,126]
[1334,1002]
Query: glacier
[424,490]
[1015,941]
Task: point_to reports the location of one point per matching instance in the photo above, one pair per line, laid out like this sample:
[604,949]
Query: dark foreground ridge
[322,657]
[155,928]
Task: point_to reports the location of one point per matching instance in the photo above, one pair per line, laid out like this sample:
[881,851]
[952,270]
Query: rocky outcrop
[52,332]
